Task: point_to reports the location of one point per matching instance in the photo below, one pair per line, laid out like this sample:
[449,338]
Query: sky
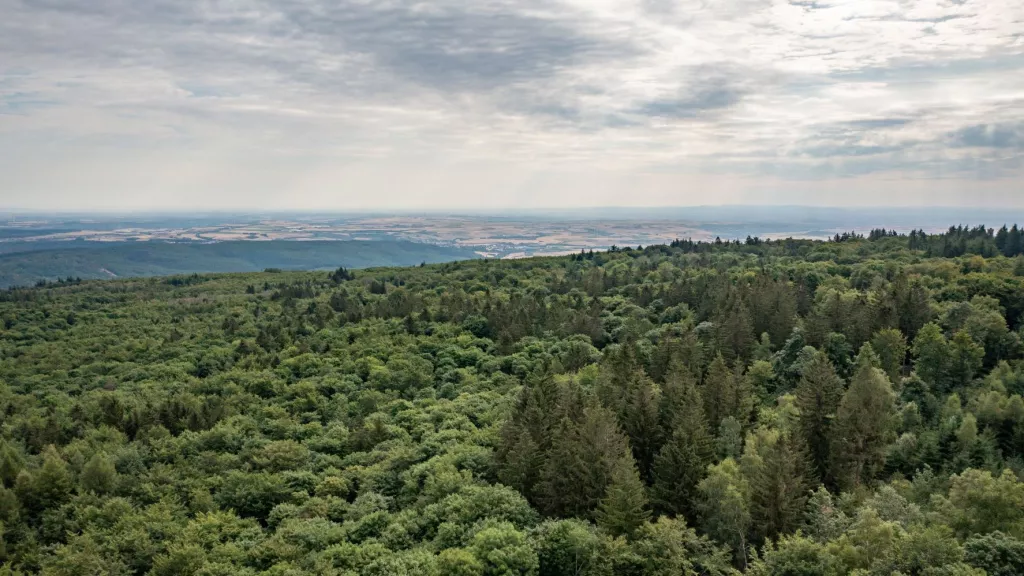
[340,104]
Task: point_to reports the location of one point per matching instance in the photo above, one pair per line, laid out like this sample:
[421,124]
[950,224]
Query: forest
[763,407]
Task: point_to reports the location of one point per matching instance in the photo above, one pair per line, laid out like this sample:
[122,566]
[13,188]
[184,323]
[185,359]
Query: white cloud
[310,104]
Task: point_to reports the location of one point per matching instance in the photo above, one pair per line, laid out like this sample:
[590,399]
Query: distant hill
[26,263]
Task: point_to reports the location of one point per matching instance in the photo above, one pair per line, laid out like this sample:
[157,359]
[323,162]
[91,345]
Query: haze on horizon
[315,105]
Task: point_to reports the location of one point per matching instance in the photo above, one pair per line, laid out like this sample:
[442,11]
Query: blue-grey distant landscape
[41,246]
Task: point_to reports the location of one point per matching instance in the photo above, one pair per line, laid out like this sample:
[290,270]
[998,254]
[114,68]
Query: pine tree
[778,487]
[578,467]
[680,466]
[99,474]
[624,507]
[726,393]
[817,396]
[641,423]
[863,426]
[716,390]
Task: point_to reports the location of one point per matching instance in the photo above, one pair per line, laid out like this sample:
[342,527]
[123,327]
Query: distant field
[26,263]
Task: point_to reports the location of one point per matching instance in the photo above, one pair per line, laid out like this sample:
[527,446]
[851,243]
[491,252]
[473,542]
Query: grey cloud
[990,136]
[700,95]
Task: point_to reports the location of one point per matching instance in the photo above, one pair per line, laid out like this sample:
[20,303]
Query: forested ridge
[785,407]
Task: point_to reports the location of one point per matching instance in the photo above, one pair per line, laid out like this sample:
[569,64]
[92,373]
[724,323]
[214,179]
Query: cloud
[327,96]
[990,136]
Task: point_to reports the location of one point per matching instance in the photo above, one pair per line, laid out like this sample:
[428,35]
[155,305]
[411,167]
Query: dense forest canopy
[764,407]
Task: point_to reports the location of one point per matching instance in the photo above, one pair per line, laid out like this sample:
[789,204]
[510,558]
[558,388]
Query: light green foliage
[724,506]
[503,551]
[99,474]
[516,417]
[891,347]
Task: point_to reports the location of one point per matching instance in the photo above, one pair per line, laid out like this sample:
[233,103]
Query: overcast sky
[334,104]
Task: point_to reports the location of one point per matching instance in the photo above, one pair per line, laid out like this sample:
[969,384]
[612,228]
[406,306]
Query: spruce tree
[817,396]
[779,487]
[578,467]
[681,400]
[624,507]
[641,423]
[863,426]
[680,466]
[726,393]
[716,389]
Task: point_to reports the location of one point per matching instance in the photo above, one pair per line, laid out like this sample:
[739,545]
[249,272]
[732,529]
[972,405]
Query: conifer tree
[681,400]
[736,332]
[680,466]
[863,425]
[726,393]
[817,396]
[716,389]
[578,467]
[624,507]
[641,423]
[778,487]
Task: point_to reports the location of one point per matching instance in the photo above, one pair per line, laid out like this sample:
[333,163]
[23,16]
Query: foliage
[697,408]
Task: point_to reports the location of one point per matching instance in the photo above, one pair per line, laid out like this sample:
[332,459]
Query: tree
[49,487]
[965,359]
[578,468]
[680,466]
[570,547]
[931,351]
[726,393]
[723,507]
[818,396]
[641,423]
[99,474]
[891,347]
[996,553]
[778,486]
[863,426]
[624,507]
[503,550]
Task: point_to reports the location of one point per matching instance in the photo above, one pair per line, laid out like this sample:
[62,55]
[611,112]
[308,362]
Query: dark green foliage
[863,424]
[818,397]
[997,554]
[540,416]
